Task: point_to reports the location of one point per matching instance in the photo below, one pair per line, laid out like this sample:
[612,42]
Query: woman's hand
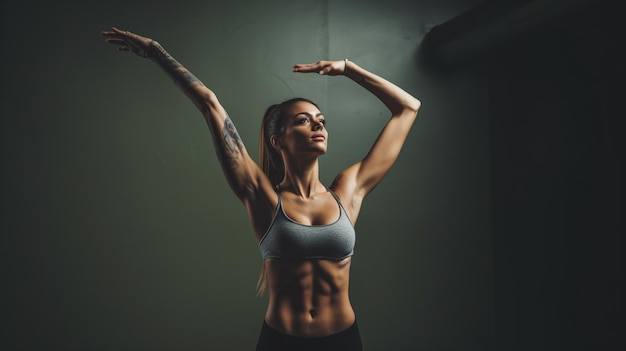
[128,41]
[330,68]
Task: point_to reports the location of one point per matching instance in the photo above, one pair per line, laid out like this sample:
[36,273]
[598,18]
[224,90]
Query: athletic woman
[305,229]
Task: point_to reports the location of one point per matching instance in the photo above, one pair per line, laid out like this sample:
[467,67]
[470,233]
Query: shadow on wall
[557,166]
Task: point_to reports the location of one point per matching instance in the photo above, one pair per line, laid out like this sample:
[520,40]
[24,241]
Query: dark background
[499,228]
[557,182]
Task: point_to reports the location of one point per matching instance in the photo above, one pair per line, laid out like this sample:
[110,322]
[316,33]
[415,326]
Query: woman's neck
[302,178]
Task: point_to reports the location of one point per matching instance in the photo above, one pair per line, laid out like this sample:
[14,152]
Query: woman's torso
[308,289]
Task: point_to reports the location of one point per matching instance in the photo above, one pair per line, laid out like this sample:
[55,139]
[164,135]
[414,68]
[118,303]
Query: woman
[305,230]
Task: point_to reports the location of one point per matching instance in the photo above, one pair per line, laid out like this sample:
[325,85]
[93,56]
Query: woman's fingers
[115,41]
[310,67]
[114,32]
[128,41]
[322,67]
[318,67]
[117,35]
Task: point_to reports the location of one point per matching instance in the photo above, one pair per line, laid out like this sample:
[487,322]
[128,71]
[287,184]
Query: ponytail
[269,158]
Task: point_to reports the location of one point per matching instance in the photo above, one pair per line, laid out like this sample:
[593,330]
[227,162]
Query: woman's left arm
[359,179]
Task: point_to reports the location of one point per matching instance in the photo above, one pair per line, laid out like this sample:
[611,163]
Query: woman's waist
[313,318]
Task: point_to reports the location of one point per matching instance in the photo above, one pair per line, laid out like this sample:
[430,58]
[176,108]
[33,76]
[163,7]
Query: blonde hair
[261,284]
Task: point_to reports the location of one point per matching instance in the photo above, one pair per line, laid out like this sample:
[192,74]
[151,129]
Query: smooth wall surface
[118,229]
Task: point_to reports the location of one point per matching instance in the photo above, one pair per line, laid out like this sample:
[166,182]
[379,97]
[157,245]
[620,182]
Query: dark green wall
[119,231]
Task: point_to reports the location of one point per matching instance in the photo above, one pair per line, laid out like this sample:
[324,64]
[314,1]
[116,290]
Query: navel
[313,313]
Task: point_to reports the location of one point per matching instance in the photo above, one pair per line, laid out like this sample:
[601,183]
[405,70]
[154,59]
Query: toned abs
[309,297]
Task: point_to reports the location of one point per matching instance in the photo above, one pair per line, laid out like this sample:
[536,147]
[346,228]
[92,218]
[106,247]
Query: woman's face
[305,130]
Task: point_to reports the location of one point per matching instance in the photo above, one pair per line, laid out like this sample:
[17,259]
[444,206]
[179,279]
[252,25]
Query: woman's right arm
[242,173]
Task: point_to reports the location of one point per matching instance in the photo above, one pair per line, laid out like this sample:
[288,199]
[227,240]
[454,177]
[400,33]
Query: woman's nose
[318,125]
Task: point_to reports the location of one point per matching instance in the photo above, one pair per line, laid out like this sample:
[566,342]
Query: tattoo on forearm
[228,145]
[181,76]
[232,145]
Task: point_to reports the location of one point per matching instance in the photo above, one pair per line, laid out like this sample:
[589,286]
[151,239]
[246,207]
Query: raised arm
[358,180]
[241,172]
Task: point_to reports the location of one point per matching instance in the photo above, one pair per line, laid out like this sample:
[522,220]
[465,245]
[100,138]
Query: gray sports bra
[287,239]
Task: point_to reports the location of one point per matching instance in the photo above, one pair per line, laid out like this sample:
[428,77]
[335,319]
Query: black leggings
[273,340]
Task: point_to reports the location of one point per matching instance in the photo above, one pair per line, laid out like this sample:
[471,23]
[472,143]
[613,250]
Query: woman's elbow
[206,100]
[414,105]
[409,108]
[207,96]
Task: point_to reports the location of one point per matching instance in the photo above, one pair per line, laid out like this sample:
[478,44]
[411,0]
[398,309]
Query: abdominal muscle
[308,298]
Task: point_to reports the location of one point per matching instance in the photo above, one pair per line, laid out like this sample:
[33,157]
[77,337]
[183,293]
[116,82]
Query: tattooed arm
[242,173]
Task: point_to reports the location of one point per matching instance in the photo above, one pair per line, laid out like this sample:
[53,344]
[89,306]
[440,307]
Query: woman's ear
[275,141]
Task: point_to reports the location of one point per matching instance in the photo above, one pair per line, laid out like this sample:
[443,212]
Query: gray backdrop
[119,230]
